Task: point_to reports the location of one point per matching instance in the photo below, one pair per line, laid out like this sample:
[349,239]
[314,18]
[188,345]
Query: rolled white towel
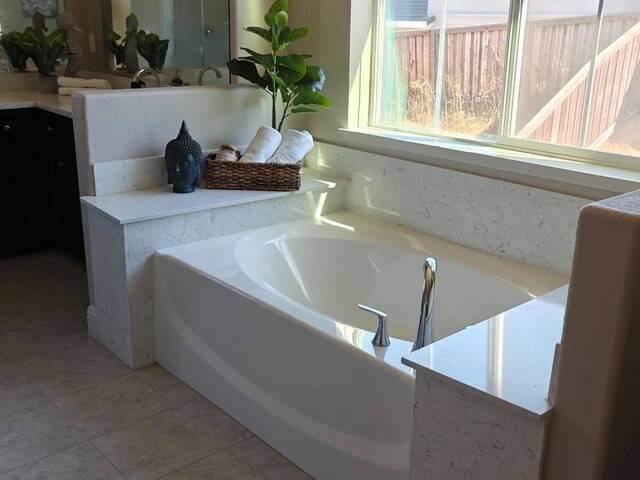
[295,145]
[263,145]
[67,91]
[83,83]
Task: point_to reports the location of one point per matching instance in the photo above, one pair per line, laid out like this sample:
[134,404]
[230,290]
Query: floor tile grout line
[201,460]
[173,407]
[252,466]
[122,474]
[84,439]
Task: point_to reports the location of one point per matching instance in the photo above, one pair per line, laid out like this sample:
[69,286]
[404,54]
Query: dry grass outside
[462,113]
[619,148]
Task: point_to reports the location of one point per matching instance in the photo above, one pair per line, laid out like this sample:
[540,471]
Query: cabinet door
[60,153]
[25,201]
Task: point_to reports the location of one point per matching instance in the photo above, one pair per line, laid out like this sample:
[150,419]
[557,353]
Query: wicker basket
[277,177]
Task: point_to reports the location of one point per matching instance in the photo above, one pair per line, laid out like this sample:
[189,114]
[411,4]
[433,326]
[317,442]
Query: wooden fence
[561,119]
[556,49]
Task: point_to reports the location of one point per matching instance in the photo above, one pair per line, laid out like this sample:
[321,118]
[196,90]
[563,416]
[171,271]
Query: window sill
[571,177]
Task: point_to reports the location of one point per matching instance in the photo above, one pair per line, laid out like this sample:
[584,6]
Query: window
[558,77]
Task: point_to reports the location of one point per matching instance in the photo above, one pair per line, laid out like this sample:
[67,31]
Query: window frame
[516,27]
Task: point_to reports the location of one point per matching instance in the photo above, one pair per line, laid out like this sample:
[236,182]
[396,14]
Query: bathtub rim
[231,274]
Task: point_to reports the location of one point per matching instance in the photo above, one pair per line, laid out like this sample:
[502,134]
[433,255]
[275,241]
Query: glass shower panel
[188,34]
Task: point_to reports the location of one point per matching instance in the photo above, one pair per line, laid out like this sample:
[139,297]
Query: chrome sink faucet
[142,73]
[205,70]
[425,323]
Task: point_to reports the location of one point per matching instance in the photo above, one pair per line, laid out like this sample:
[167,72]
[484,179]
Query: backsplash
[530,225]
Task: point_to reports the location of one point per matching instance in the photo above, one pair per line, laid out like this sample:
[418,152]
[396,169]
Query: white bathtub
[265,324]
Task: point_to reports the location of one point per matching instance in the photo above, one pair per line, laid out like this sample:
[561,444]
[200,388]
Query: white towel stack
[295,145]
[263,146]
[69,85]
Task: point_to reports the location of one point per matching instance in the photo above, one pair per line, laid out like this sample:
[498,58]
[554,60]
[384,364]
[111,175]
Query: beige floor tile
[10,288]
[18,393]
[157,445]
[85,365]
[216,422]
[112,405]
[267,461]
[30,346]
[6,363]
[180,394]
[35,434]
[221,466]
[21,313]
[82,462]
[158,377]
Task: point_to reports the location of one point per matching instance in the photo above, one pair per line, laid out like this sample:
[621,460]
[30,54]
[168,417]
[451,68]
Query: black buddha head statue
[184,162]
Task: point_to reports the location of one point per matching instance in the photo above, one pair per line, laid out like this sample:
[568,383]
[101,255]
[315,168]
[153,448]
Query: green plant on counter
[18,56]
[116,48]
[285,76]
[152,49]
[44,51]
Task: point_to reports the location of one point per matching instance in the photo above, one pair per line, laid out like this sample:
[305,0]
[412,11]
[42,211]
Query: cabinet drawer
[18,127]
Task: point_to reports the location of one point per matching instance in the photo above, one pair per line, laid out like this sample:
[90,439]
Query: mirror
[197,30]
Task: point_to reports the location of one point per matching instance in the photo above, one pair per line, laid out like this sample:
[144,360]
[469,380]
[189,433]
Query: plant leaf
[313,79]
[247,69]
[312,98]
[261,32]
[279,6]
[291,68]
[293,35]
[304,110]
[281,19]
[263,59]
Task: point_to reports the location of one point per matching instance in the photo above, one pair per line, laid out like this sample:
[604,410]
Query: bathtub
[265,324]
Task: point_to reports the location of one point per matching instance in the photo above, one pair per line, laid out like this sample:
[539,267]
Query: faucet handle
[381,338]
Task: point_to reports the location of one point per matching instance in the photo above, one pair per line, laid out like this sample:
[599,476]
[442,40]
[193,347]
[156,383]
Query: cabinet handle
[50,129]
[7,128]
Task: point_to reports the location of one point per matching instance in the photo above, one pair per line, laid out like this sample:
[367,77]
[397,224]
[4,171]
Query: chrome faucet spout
[205,70]
[425,324]
[143,72]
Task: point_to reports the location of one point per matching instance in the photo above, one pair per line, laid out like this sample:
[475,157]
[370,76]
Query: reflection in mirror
[197,30]
[15,15]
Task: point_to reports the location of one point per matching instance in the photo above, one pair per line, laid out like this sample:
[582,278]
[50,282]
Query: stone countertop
[142,205]
[507,359]
[33,99]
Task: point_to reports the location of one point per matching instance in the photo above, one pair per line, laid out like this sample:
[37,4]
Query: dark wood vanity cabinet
[39,199]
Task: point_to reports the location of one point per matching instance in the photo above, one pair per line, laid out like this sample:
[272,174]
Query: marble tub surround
[124,231]
[148,118]
[526,224]
[484,390]
[594,429]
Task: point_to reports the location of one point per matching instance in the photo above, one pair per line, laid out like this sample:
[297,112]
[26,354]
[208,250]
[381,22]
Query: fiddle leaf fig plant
[287,78]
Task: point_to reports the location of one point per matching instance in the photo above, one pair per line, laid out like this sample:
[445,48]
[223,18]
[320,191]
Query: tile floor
[71,410]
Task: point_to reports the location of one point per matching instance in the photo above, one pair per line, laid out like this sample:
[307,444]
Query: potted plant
[152,49]
[45,51]
[10,43]
[286,78]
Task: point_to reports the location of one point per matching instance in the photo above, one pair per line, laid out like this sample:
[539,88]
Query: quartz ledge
[507,359]
[33,99]
[142,205]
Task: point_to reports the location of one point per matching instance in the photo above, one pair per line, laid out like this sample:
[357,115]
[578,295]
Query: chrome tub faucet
[425,323]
